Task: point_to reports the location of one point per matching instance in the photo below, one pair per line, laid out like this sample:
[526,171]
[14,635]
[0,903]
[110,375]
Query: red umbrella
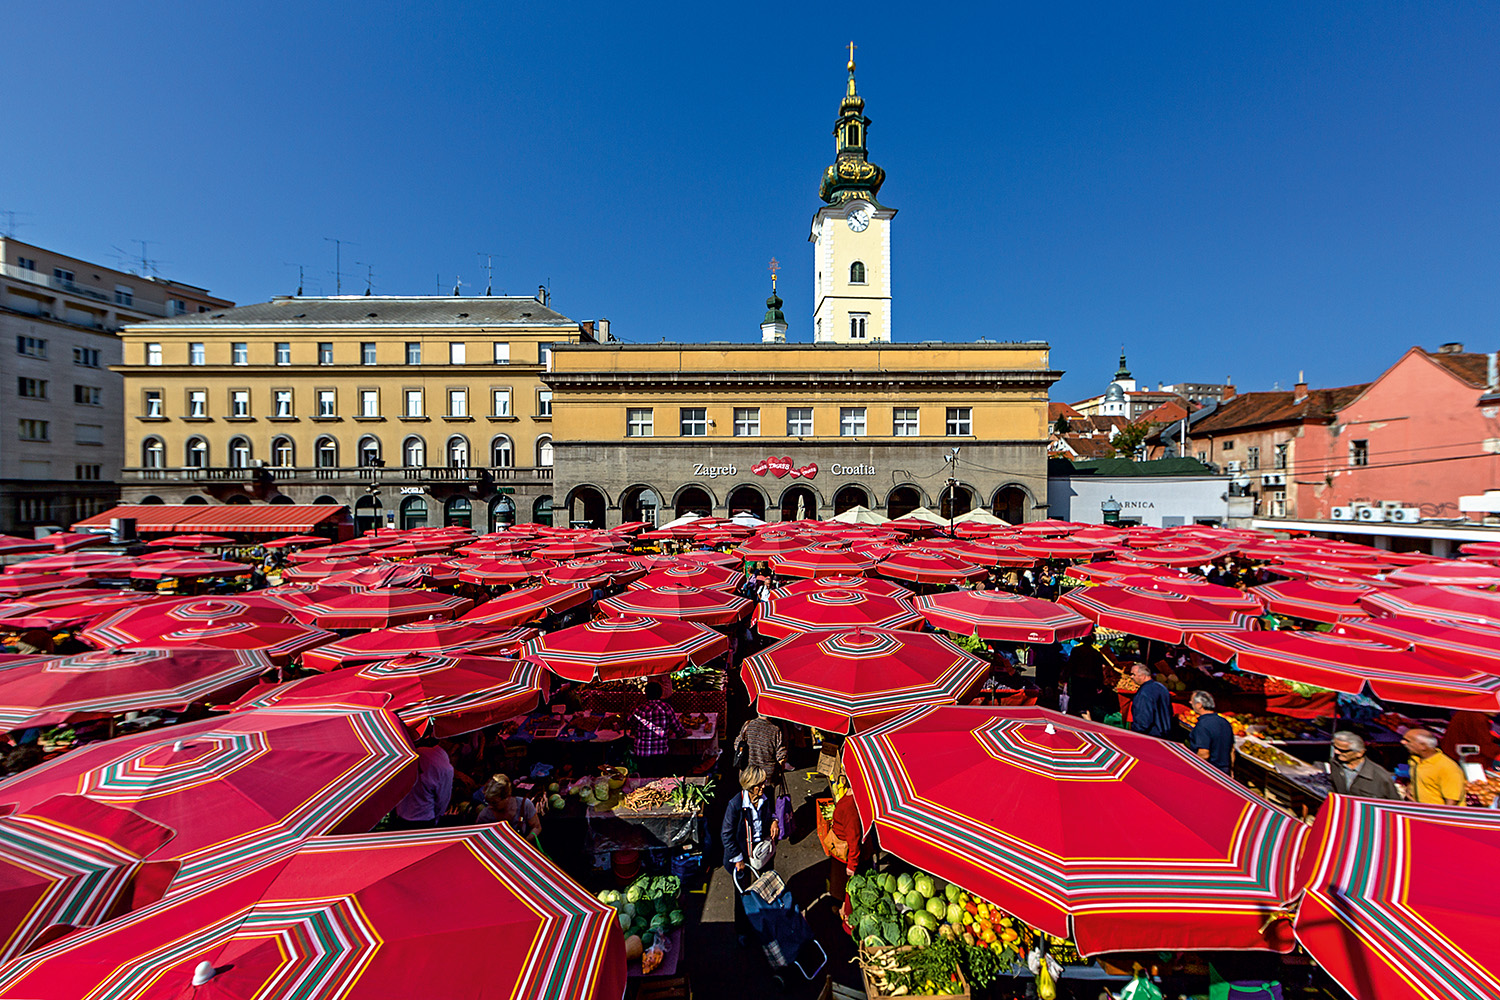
[1179,554]
[1314,600]
[190,569]
[322,569]
[570,549]
[593,572]
[455,694]
[529,604]
[72,862]
[395,575]
[997,616]
[1463,574]
[994,553]
[863,584]
[1051,528]
[1452,603]
[422,546]
[190,541]
[766,545]
[280,641]
[1353,666]
[456,636]
[288,541]
[616,648]
[692,604]
[467,912]
[1380,910]
[502,570]
[499,547]
[822,560]
[921,566]
[140,623]
[71,615]
[10,545]
[238,789]
[1198,589]
[382,608]
[296,595]
[704,576]
[109,682]
[1152,614]
[835,681]
[832,610]
[1188,859]
[60,562]
[18,584]
[1468,643]
[1110,571]
[1061,548]
[1329,572]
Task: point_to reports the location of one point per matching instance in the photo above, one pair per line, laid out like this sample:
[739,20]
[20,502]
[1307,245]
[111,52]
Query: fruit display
[1271,727]
[1486,790]
[1266,754]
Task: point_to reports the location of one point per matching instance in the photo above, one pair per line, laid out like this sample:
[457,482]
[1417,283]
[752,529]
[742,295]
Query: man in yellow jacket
[1436,778]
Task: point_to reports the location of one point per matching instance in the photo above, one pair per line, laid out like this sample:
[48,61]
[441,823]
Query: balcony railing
[350,474]
[82,291]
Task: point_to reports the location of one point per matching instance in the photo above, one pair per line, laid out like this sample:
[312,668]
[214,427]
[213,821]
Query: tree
[1129,438]
[1062,426]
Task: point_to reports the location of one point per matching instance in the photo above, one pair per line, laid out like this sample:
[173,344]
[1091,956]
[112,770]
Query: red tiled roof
[1166,413]
[1257,409]
[258,519]
[1057,409]
[1472,368]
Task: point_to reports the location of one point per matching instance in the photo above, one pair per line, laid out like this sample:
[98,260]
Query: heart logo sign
[808,471]
[759,468]
[779,467]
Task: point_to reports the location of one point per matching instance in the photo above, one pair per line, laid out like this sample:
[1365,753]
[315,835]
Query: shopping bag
[1140,988]
[784,820]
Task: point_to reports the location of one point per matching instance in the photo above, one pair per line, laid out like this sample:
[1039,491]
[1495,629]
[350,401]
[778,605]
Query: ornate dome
[851,175]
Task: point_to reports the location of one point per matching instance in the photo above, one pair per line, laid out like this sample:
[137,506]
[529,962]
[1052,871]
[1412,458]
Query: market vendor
[1469,728]
[1352,773]
[1436,778]
[844,848]
[1213,736]
[501,805]
[653,725]
[1151,708]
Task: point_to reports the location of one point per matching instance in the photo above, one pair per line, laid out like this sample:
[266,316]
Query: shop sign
[714,471]
[1138,504]
[851,470]
[407,491]
[781,467]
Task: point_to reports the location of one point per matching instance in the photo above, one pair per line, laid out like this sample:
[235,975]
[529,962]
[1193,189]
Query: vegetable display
[648,908]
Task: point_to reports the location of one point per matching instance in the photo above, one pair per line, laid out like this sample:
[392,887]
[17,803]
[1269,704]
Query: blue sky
[1239,190]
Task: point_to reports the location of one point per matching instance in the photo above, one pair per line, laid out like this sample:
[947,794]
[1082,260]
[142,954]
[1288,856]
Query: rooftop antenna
[457,284]
[338,252]
[489,272]
[369,276]
[145,263]
[288,263]
[10,217]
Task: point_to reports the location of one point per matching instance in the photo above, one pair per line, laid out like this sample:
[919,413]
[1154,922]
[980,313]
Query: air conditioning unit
[257,463]
[1371,514]
[1232,466]
[1391,504]
[1404,515]
[1343,513]
[1273,479]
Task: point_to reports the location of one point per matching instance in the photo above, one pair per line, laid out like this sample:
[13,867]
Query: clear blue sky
[1242,190]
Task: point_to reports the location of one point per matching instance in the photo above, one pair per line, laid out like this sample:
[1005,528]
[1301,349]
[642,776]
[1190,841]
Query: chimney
[602,329]
[1228,393]
[1492,370]
[542,295]
[1451,348]
[1299,391]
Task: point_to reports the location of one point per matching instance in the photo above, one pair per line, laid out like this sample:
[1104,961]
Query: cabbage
[659,923]
[954,914]
[952,892]
[925,920]
[634,894]
[918,937]
[937,908]
[923,884]
[624,922]
[891,931]
[868,925]
[675,918]
[628,909]
[904,883]
[914,900]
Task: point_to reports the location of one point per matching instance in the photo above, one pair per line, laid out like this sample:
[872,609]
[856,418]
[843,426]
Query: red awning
[260,519]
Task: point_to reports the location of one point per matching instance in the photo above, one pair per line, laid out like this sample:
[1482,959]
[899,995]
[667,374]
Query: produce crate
[872,993]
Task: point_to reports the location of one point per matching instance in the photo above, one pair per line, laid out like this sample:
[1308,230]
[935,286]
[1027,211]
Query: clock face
[859,219]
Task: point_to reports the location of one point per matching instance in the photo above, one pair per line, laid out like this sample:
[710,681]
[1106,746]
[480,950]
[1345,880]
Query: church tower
[851,234]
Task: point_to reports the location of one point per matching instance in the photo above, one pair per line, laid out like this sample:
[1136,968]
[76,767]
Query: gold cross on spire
[851,56]
[773,268]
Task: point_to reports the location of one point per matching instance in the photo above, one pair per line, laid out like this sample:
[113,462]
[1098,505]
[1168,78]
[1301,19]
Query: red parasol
[194,541]
[703,576]
[322,569]
[1462,574]
[1314,600]
[1189,859]
[998,616]
[1330,572]
[835,681]
[381,608]
[190,569]
[65,561]
[768,544]
[1197,588]
[592,572]
[11,545]
[1108,571]
[863,584]
[1179,554]
[1152,614]
[502,570]
[528,604]
[994,553]
[456,636]
[72,614]
[615,648]
[18,584]
[691,604]
[140,623]
[1051,528]
[1468,643]
[290,541]
[280,641]
[822,560]
[922,566]
[386,574]
[1452,603]
[1061,548]
[832,610]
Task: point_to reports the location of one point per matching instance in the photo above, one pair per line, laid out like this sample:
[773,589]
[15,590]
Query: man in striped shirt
[653,725]
[767,747]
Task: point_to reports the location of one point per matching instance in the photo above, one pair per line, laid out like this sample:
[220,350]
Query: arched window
[154,454]
[369,451]
[853,134]
[197,453]
[458,452]
[544,451]
[239,453]
[414,453]
[502,455]
[857,273]
[327,453]
[283,454]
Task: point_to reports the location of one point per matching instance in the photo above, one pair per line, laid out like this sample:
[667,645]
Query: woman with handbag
[749,837]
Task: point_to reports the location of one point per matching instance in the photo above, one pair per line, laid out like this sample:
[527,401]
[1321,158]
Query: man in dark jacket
[1151,708]
[1352,773]
[749,820]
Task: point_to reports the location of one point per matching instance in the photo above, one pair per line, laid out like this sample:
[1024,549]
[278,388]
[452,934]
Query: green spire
[851,174]
[1124,372]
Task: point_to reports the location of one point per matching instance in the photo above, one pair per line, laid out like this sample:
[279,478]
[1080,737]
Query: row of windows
[36,510]
[281,353]
[693,421]
[413,403]
[36,388]
[41,430]
[36,347]
[457,453]
[1359,454]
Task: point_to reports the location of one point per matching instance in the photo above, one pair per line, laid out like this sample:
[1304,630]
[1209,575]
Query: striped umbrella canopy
[689,604]
[382,608]
[457,636]
[1152,614]
[1051,528]
[1110,570]
[465,912]
[822,560]
[1473,645]
[308,572]
[358,548]
[96,685]
[72,614]
[290,541]
[140,623]
[1179,554]
[10,545]
[1314,600]
[506,569]
[296,595]
[1454,572]
[1125,842]
[994,553]
[190,569]
[278,641]
[190,541]
[683,560]
[922,566]
[616,648]
[73,862]
[1381,909]
[836,681]
[528,604]
[237,788]
[767,544]
[443,694]
[21,584]
[1354,666]
[571,549]
[386,574]
[60,562]
[862,584]
[999,616]
[1046,547]
[423,546]
[1481,550]
[501,546]
[1463,604]
[1197,588]
[831,611]
[705,575]
[595,572]
[1328,571]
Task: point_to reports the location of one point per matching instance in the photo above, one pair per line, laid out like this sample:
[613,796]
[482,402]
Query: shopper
[1213,736]
[428,799]
[749,838]
[501,805]
[1352,773]
[1436,778]
[1151,708]
[761,743]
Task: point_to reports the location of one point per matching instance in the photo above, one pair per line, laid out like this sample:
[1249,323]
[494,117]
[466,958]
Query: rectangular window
[88,433]
[639,422]
[88,473]
[458,402]
[283,352]
[502,352]
[1278,503]
[500,403]
[35,430]
[1203,457]
[1281,456]
[153,403]
[369,402]
[852,421]
[960,421]
[239,353]
[33,509]
[87,357]
[413,403]
[544,403]
[858,322]
[1252,458]
[32,347]
[325,353]
[367,353]
[124,295]
[1228,446]
[198,403]
[413,352]
[62,274]
[153,354]
[283,402]
[694,421]
[31,388]
[26,263]
[328,403]
[458,352]
[87,395]
[904,423]
[799,421]
[747,421]
[176,307]
[1359,453]
[196,354]
[239,403]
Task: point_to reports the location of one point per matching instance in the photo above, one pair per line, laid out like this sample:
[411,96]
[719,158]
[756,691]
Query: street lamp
[1111,509]
[951,457]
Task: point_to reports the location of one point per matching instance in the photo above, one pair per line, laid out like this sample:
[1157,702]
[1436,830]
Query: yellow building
[409,410]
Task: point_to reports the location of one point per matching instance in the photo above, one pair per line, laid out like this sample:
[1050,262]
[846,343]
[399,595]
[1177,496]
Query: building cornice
[1009,379]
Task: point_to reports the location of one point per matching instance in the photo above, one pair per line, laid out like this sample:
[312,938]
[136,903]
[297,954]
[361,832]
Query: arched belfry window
[857,273]
[853,135]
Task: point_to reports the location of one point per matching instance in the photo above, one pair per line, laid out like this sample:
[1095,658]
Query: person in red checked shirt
[653,725]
